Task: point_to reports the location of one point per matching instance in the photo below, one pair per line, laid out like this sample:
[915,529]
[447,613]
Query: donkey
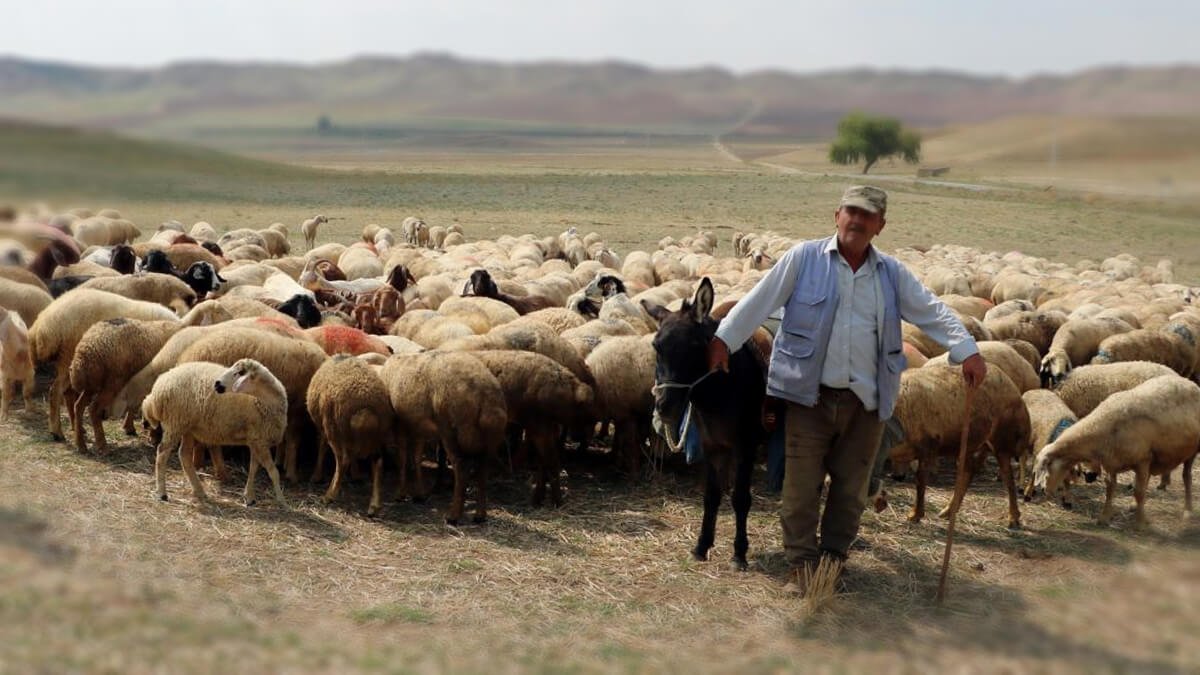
[726,409]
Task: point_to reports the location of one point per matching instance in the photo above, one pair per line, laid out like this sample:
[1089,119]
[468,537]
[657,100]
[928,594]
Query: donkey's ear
[655,310]
[702,304]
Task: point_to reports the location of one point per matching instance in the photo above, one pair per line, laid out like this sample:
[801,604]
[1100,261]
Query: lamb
[58,329]
[930,408]
[309,229]
[415,231]
[1075,343]
[353,413]
[544,399]
[16,362]
[1173,346]
[482,285]
[210,404]
[1149,429]
[437,236]
[1048,418]
[454,398]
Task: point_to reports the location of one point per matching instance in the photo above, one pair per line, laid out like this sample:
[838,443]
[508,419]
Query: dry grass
[96,575]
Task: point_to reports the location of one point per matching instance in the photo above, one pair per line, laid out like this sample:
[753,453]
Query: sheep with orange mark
[346,340]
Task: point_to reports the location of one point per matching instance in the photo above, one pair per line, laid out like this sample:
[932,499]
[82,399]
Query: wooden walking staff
[960,489]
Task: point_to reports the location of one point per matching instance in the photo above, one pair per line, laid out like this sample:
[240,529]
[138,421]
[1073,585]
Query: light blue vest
[798,356]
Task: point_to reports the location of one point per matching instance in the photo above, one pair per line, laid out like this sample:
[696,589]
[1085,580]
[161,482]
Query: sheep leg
[918,508]
[319,468]
[340,462]
[262,455]
[160,464]
[1164,480]
[7,391]
[127,424]
[1006,474]
[77,408]
[481,473]
[460,494]
[290,442]
[1110,486]
[217,455]
[251,473]
[56,397]
[96,415]
[27,393]
[1187,486]
[1141,482]
[376,486]
[185,459]
[956,499]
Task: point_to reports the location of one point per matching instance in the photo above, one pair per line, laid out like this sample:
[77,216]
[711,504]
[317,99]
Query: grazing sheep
[1004,357]
[454,398]
[544,399]
[274,242]
[1174,348]
[623,368]
[482,285]
[58,329]
[309,229]
[437,236]
[211,404]
[353,413]
[1048,418]
[16,362]
[292,360]
[415,231]
[1036,327]
[1075,343]
[930,410]
[26,299]
[527,337]
[162,289]
[1086,387]
[1149,429]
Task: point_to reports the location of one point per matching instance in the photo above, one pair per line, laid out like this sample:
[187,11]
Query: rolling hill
[438,91]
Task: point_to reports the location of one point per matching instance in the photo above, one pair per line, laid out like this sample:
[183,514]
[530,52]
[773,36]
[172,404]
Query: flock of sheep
[392,346]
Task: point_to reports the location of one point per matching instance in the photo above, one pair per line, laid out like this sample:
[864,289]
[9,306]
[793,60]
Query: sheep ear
[703,302]
[467,287]
[656,311]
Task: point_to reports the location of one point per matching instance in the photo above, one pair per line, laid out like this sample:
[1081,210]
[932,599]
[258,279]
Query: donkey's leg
[712,502]
[741,505]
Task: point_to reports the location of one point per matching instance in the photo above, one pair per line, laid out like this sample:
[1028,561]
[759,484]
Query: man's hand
[718,355]
[974,370]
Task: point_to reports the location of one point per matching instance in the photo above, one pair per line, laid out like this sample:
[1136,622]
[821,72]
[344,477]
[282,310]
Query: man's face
[857,227]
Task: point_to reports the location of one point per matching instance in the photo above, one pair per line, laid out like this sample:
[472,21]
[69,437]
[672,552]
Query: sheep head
[482,285]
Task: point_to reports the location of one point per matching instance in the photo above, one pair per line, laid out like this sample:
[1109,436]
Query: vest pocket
[796,344]
[896,361]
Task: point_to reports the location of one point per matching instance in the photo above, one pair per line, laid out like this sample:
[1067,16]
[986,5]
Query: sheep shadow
[881,608]
[23,530]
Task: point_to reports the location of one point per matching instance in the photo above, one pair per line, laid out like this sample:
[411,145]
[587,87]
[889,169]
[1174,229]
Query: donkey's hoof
[700,556]
[738,565]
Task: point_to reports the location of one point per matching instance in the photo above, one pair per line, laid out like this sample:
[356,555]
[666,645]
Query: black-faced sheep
[211,404]
[1074,344]
[163,289]
[201,276]
[1149,429]
[353,413]
[481,284]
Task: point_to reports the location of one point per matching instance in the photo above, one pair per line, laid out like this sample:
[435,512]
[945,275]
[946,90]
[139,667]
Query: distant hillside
[440,91]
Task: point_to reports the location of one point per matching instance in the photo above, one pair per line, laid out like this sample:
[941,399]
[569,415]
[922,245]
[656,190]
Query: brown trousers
[838,438]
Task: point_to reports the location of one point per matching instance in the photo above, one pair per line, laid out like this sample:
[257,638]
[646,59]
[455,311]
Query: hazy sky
[1013,37]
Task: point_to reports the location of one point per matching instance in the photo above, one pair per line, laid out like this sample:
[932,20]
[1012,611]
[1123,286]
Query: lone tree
[862,136]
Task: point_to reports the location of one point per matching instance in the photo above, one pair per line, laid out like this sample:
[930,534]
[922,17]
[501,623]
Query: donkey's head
[681,346]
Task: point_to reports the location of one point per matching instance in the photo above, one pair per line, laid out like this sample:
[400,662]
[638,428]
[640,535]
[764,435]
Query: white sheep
[415,231]
[1075,343]
[1048,418]
[350,406]
[1149,429]
[309,229]
[211,404]
[16,362]
[1173,346]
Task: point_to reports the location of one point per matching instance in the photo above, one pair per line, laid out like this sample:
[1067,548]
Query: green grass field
[98,576]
